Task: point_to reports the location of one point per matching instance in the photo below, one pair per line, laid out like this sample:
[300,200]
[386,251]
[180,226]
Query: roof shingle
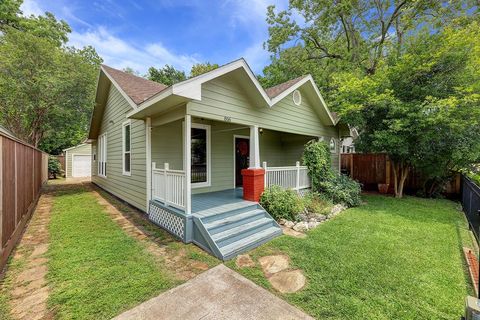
[137,88]
[276,90]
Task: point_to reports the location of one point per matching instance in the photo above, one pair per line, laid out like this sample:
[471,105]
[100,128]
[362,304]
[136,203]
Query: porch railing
[292,177]
[168,186]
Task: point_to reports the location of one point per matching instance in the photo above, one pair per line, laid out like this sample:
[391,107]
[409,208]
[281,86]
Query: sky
[140,34]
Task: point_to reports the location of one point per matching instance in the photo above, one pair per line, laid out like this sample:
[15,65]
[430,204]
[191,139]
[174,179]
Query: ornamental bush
[335,186]
[54,167]
[281,203]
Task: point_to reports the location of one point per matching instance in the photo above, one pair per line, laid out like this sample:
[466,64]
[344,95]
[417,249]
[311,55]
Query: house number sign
[227,119]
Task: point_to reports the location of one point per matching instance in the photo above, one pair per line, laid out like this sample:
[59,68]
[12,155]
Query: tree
[350,36]
[46,91]
[201,68]
[131,71]
[167,75]
[44,26]
[421,108]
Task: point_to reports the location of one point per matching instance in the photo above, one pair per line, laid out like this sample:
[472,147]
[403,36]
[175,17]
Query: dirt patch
[244,261]
[28,299]
[177,260]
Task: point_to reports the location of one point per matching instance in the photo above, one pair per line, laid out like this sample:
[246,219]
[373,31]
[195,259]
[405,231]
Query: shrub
[343,189]
[281,203]
[318,203]
[54,167]
[337,187]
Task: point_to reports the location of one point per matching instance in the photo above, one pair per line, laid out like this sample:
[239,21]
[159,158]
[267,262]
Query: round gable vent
[297,97]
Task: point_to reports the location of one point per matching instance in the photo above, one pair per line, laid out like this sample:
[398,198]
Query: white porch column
[254,148]
[148,139]
[187,162]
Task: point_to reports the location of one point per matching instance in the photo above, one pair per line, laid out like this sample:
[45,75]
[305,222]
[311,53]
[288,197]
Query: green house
[195,156]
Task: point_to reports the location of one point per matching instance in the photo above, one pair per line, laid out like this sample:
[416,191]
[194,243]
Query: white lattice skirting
[167,220]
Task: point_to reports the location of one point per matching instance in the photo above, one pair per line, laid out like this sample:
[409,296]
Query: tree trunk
[400,174]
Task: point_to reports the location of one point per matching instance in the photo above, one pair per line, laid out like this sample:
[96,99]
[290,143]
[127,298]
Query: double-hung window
[126,148]
[102,155]
[200,148]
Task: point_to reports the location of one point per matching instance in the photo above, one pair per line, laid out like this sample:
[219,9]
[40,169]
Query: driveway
[219,293]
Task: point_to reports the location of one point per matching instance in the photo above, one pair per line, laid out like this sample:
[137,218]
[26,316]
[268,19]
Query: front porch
[197,181]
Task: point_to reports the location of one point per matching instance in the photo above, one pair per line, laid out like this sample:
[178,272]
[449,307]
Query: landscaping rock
[244,261]
[321,217]
[273,264]
[302,217]
[288,281]
[313,224]
[293,233]
[337,209]
[282,221]
[301,226]
[289,224]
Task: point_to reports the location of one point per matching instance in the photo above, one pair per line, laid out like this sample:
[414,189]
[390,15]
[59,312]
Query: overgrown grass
[96,271]
[388,259]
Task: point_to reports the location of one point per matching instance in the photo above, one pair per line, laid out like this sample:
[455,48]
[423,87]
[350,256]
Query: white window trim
[208,183]
[335,145]
[124,172]
[102,154]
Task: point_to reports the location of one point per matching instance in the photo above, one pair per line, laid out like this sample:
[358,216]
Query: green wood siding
[131,189]
[224,98]
[167,145]
[80,149]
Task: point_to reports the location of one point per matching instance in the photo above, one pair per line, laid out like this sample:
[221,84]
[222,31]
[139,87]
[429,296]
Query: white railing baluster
[293,177]
[168,186]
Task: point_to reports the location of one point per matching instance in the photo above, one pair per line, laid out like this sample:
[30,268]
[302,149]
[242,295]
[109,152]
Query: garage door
[82,166]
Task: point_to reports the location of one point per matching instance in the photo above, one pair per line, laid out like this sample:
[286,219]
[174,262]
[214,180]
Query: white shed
[78,161]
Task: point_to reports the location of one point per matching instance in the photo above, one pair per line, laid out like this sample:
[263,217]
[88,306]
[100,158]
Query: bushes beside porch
[329,188]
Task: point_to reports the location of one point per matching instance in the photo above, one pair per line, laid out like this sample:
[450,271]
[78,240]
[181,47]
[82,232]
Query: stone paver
[244,261]
[30,294]
[283,280]
[219,293]
[273,264]
[288,281]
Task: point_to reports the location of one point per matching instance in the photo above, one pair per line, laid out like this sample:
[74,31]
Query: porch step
[232,232]
[250,242]
[222,223]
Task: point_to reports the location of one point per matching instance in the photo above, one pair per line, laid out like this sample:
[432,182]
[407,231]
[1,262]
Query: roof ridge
[133,75]
[138,89]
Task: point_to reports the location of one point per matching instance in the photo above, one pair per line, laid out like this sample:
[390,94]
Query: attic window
[297,97]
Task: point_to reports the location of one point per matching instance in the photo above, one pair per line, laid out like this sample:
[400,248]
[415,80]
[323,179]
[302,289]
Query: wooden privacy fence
[23,171]
[374,169]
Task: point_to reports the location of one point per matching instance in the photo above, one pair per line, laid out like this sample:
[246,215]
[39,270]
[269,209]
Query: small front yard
[99,262]
[387,259]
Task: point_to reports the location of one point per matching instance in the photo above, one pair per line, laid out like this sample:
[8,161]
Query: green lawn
[95,269]
[387,259]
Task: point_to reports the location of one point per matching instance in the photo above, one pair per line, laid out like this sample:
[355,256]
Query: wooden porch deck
[212,203]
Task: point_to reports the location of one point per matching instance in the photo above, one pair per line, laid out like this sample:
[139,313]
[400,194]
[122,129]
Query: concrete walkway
[219,293]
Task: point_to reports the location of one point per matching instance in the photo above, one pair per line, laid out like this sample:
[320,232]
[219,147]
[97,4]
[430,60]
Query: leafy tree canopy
[421,108]
[167,75]
[46,88]
[201,68]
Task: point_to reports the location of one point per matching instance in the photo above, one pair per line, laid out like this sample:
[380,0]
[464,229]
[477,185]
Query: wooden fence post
[1,195]
[351,165]
[387,170]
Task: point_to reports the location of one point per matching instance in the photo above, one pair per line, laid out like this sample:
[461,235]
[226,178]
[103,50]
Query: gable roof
[142,94]
[190,89]
[137,88]
[279,88]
